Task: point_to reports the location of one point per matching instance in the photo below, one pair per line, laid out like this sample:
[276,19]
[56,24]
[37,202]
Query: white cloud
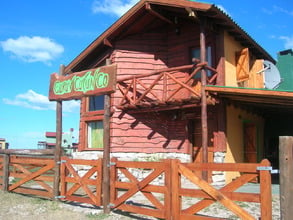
[33,49]
[288,41]
[276,9]
[116,7]
[282,10]
[36,101]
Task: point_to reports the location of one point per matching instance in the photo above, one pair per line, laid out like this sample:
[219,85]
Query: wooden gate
[30,175]
[81,180]
[225,195]
[148,193]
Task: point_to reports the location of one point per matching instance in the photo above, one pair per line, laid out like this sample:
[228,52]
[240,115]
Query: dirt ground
[20,207]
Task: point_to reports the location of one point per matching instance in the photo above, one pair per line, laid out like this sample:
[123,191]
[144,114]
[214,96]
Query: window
[195,53]
[95,134]
[91,123]
[96,103]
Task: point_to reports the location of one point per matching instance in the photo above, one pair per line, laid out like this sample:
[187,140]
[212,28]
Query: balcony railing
[171,86]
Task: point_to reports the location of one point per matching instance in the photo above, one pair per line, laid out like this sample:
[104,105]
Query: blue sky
[37,36]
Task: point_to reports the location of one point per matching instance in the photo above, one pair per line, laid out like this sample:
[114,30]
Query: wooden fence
[155,189]
[28,175]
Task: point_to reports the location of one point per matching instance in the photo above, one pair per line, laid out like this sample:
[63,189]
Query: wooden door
[250,144]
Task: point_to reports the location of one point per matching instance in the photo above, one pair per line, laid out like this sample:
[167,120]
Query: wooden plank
[286,176]
[176,184]
[98,185]
[156,72]
[241,167]
[198,217]
[168,189]
[31,161]
[141,164]
[148,188]
[144,211]
[5,183]
[63,175]
[80,199]
[229,187]
[265,191]
[31,152]
[80,161]
[40,178]
[235,196]
[217,195]
[30,191]
[31,176]
[113,179]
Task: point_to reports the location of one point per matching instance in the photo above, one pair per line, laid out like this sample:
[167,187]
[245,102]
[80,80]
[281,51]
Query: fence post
[113,178]
[168,185]
[176,184]
[58,147]
[6,160]
[265,191]
[286,176]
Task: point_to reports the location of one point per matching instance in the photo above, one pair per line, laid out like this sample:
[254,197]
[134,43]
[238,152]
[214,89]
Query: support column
[58,150]
[286,176]
[204,123]
[106,154]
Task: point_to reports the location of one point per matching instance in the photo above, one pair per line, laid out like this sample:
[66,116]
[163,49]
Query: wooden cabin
[189,85]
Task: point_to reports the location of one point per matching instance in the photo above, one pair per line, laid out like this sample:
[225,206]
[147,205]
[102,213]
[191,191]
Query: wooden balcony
[170,87]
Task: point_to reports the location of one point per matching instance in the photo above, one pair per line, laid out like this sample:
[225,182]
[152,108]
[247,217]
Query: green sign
[90,82]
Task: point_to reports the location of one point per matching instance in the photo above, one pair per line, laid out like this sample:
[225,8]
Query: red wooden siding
[149,133]
[143,53]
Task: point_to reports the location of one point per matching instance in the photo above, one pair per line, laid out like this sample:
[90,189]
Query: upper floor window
[96,103]
[195,53]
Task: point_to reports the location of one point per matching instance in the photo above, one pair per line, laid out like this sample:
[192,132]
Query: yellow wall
[235,119]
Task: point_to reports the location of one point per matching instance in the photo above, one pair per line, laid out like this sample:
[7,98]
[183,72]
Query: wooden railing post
[169,191]
[286,176]
[265,191]
[113,178]
[6,159]
[176,184]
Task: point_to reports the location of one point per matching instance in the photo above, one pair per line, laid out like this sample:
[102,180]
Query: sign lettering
[90,82]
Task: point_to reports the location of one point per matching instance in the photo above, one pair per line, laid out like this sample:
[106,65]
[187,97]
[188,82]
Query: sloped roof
[146,13]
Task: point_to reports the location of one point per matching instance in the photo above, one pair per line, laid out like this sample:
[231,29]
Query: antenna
[272,77]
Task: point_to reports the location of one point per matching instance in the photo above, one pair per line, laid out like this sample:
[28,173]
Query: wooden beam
[58,150]
[27,152]
[107,42]
[106,154]
[204,120]
[163,18]
[177,68]
[286,176]
[5,179]
[250,92]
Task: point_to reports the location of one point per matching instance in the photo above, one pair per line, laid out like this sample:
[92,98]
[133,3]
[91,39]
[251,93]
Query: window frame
[87,116]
